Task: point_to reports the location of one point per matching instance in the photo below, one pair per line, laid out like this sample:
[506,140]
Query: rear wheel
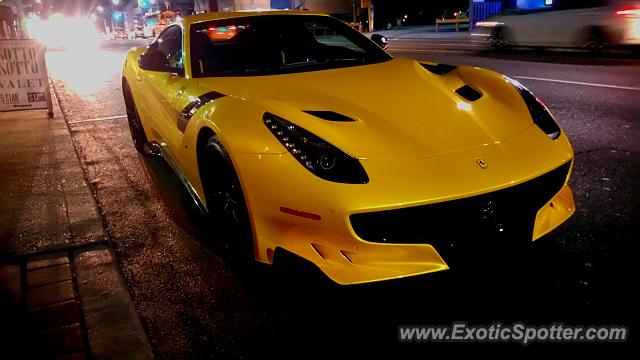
[595,40]
[498,39]
[135,125]
[225,199]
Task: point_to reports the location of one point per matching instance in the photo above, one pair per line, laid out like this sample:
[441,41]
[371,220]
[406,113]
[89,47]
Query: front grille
[501,218]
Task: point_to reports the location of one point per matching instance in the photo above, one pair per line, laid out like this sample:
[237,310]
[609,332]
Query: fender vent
[469,93]
[439,69]
[329,115]
[195,105]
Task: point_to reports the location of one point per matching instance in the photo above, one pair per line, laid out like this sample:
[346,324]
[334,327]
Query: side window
[330,36]
[170,44]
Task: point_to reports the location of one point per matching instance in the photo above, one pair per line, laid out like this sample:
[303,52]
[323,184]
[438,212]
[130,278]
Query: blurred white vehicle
[590,24]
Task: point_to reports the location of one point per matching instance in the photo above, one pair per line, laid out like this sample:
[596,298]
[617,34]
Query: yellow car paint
[418,140]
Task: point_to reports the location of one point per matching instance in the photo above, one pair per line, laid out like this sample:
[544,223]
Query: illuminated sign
[23,76]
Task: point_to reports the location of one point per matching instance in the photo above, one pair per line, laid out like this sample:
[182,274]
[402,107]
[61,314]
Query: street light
[115,2]
[100,9]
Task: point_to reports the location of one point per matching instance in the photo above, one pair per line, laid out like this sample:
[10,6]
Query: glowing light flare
[86,74]
[224,32]
[635,28]
[488,23]
[60,32]
[629,11]
[463,106]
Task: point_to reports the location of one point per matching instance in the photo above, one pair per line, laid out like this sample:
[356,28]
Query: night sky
[72,7]
[86,6]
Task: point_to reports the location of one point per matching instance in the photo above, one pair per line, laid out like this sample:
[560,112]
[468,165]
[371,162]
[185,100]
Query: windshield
[276,44]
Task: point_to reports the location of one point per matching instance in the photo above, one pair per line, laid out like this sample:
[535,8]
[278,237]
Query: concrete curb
[114,330]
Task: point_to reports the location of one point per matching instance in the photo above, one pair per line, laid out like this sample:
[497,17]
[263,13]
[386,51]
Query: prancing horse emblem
[482,164]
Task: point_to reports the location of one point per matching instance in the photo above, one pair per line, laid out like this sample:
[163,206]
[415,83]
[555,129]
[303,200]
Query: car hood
[399,107]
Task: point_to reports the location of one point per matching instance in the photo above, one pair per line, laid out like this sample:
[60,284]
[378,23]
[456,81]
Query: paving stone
[43,261]
[73,356]
[54,316]
[62,340]
[41,224]
[49,294]
[10,281]
[109,313]
[84,220]
[49,275]
[72,179]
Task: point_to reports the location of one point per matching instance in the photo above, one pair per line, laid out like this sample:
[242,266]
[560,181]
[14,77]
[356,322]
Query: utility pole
[470,15]
[371,17]
[20,13]
[368,4]
[46,9]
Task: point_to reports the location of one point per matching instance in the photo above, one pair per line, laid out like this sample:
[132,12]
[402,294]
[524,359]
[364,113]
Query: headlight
[539,112]
[316,155]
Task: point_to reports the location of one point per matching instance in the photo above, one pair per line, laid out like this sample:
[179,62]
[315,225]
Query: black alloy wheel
[135,126]
[225,200]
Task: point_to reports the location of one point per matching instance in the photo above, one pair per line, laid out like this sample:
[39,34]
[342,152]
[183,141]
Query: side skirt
[155,149]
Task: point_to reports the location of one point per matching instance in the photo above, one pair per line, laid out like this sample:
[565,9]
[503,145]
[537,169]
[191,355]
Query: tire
[225,200]
[135,125]
[498,38]
[595,40]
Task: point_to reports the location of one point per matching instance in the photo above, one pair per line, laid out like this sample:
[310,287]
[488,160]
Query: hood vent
[329,115]
[469,93]
[439,69]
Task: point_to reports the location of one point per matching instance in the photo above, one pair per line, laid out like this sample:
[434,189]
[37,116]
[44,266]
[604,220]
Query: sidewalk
[61,291]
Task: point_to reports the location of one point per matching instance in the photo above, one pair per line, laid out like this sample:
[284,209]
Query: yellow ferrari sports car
[302,136]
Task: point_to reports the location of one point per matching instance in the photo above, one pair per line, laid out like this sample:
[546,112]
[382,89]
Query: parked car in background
[120,34]
[138,32]
[590,24]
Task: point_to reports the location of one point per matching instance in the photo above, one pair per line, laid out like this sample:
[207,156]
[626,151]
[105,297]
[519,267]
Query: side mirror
[380,40]
[153,60]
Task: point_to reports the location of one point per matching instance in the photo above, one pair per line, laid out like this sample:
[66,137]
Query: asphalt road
[196,300]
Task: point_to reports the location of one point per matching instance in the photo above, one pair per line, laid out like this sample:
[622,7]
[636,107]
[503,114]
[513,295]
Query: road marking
[579,83]
[428,51]
[99,119]
[437,45]
[429,42]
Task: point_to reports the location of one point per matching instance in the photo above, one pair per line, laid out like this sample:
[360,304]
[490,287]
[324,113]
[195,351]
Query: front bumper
[338,246]
[501,219]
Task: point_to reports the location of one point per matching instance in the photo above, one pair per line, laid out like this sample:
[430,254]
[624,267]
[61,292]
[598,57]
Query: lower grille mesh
[504,217]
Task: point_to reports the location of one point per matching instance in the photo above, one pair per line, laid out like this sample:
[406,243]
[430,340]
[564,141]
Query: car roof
[192,19]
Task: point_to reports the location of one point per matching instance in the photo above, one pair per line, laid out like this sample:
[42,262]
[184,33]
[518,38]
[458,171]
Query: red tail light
[629,11]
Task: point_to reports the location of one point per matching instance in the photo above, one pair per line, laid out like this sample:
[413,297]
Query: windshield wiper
[329,61]
[299,64]
[340,60]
